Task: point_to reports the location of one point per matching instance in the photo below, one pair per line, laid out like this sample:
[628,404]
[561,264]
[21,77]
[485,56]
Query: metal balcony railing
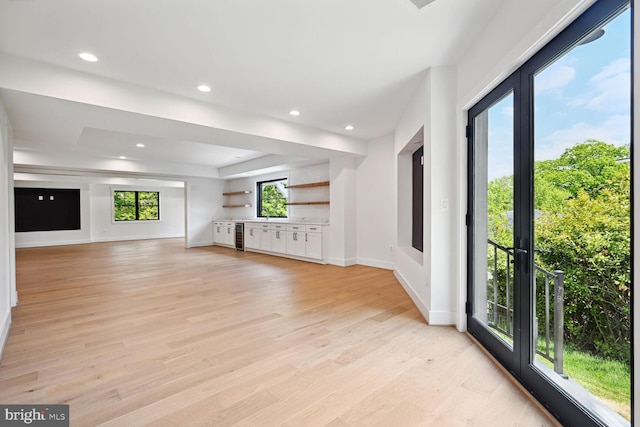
[549,291]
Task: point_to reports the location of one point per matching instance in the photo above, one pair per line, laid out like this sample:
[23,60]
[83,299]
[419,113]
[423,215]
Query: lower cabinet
[279,239]
[217,233]
[313,247]
[224,233]
[252,237]
[228,233]
[265,239]
[295,240]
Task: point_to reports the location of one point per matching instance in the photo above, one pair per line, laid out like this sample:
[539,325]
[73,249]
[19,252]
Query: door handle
[520,255]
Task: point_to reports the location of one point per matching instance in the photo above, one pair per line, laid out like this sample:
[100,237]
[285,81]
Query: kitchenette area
[302,239]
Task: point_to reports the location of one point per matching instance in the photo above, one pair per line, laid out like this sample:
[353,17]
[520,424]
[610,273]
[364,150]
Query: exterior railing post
[558,323]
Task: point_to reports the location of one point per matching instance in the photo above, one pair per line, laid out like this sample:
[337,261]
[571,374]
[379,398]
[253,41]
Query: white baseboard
[342,262]
[5,326]
[442,318]
[51,243]
[412,294]
[375,263]
[433,318]
[128,238]
[299,258]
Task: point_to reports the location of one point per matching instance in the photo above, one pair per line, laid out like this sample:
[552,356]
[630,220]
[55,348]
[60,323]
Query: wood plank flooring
[150,333]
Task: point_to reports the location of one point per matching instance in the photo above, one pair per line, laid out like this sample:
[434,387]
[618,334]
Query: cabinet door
[265,239]
[279,241]
[230,234]
[217,232]
[252,238]
[296,243]
[314,245]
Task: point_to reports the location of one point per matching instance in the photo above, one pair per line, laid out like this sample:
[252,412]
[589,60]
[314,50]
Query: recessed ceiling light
[294,112]
[123,157]
[348,127]
[204,88]
[89,57]
[140,145]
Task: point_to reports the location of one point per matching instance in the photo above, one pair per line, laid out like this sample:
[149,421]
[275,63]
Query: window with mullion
[136,205]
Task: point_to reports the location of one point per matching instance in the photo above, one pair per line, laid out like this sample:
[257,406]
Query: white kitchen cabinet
[296,244]
[224,233]
[313,241]
[252,235]
[229,233]
[293,240]
[279,238]
[217,232]
[265,238]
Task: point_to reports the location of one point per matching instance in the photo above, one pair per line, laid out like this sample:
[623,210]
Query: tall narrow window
[136,205]
[417,190]
[272,198]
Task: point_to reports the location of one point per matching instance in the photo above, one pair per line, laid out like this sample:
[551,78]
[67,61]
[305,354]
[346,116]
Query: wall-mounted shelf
[309,203]
[309,185]
[239,203]
[235,193]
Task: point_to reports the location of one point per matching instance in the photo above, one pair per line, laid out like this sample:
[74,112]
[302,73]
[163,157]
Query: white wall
[96,211]
[203,204]
[409,264]
[313,173]
[58,237]
[514,35]
[375,205]
[104,229]
[440,197]
[7,259]
[343,230]
[429,276]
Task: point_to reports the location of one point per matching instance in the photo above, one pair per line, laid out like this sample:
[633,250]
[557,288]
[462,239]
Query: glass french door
[549,267]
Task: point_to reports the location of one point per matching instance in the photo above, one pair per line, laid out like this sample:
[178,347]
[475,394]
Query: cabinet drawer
[314,229]
[295,227]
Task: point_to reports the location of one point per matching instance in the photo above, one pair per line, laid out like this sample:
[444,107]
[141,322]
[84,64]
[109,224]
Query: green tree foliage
[590,242]
[589,167]
[274,201]
[124,204]
[582,202]
[148,205]
[136,205]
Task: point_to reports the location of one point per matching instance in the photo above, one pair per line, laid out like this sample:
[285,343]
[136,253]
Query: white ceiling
[338,62]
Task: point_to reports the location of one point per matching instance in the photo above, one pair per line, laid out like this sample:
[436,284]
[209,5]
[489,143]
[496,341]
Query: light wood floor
[150,333]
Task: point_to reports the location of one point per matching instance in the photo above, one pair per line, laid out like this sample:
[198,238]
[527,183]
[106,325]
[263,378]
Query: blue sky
[583,95]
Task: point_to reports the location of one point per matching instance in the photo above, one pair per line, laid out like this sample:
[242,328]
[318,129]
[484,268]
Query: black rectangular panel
[417,205]
[47,209]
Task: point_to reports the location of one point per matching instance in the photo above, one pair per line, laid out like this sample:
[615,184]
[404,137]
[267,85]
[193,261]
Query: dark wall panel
[47,209]
[417,209]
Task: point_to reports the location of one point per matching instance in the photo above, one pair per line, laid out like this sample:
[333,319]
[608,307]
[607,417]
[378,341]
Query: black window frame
[556,400]
[136,205]
[259,185]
